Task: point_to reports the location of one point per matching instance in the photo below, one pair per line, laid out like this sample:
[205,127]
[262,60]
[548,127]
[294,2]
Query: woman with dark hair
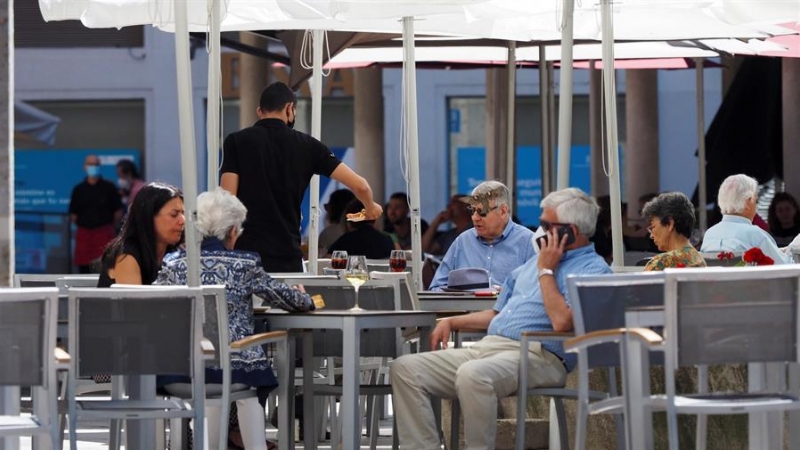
[153,228]
[783,216]
[128,180]
[671,219]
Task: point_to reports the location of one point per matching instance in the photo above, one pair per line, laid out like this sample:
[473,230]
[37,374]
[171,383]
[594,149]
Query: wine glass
[356,274]
[339,259]
[397,261]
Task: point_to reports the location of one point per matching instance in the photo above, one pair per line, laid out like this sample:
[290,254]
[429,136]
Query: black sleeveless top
[132,251]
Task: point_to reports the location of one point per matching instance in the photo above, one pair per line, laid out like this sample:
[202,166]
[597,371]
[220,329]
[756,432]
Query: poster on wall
[43,182]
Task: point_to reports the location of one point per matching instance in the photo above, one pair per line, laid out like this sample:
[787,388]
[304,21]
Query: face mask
[93,171]
[290,124]
[539,233]
[123,183]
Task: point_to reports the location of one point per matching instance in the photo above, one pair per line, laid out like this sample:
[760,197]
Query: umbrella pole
[186,132]
[544,86]
[412,144]
[610,92]
[213,98]
[702,190]
[316,132]
[565,99]
[511,153]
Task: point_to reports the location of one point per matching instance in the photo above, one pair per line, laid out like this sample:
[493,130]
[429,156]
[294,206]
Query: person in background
[362,238]
[334,215]
[153,228]
[495,243]
[268,167]
[128,180]
[671,218]
[784,217]
[457,212]
[219,221]
[738,199]
[398,221]
[96,208]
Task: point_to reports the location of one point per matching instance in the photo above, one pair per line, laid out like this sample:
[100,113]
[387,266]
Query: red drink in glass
[397,264]
[339,263]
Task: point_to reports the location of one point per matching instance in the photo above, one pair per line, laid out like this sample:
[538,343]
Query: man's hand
[551,252]
[440,334]
[373,211]
[442,217]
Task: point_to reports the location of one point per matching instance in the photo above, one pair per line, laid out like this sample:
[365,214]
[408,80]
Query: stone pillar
[641,149]
[496,112]
[599,181]
[368,129]
[253,78]
[790,84]
[6,146]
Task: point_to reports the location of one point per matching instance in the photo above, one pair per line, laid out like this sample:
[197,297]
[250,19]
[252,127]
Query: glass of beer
[397,261]
[339,260]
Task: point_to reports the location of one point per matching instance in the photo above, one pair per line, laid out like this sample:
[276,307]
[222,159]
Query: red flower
[723,255]
[680,265]
[757,257]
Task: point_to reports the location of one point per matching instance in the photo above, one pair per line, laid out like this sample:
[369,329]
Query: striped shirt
[499,257]
[521,305]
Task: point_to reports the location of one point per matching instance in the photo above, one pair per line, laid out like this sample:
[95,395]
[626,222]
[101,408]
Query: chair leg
[562,423]
[176,433]
[161,442]
[702,419]
[455,424]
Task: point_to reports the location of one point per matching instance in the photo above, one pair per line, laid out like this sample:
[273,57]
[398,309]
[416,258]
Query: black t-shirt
[365,241]
[275,165]
[95,204]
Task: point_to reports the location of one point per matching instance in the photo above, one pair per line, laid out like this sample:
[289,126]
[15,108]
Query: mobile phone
[561,232]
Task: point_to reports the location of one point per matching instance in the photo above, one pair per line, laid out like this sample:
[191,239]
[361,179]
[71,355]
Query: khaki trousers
[477,376]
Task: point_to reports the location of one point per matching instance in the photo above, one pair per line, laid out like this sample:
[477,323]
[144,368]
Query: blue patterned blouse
[243,276]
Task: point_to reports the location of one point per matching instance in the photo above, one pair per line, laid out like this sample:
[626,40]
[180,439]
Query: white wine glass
[356,274]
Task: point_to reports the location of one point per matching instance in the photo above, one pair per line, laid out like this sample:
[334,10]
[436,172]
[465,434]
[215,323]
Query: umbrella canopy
[33,124]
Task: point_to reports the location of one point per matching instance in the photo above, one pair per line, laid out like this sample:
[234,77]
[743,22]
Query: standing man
[269,167]
[96,208]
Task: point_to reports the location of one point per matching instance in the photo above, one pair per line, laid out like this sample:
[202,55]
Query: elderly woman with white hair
[219,220]
[737,199]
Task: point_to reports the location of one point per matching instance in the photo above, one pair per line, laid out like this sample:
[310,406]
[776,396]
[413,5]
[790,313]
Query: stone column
[253,78]
[790,84]
[641,149]
[599,181]
[496,112]
[6,146]
[368,129]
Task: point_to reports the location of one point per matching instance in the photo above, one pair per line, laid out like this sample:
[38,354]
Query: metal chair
[408,293]
[138,333]
[29,358]
[712,259]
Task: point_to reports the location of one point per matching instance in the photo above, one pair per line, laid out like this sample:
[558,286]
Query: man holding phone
[534,298]
[494,243]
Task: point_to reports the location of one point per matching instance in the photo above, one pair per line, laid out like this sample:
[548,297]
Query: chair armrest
[471,330]
[258,339]
[207,348]
[645,335]
[62,357]
[547,335]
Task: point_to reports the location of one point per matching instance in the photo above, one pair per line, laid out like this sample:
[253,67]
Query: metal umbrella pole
[316,132]
[412,145]
[565,98]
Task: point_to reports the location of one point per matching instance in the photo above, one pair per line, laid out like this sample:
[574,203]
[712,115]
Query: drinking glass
[397,261]
[339,259]
[357,274]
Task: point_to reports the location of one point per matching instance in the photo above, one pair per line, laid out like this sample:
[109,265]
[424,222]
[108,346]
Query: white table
[446,301]
[765,430]
[350,323]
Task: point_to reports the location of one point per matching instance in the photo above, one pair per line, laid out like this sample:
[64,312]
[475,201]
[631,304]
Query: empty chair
[143,332]
[408,293]
[29,358]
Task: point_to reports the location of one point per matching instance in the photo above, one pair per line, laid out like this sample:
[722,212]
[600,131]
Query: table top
[340,313]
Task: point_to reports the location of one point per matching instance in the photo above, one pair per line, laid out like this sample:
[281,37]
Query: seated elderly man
[737,199]
[534,298]
[495,242]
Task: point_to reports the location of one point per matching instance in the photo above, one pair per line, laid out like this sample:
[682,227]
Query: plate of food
[357,217]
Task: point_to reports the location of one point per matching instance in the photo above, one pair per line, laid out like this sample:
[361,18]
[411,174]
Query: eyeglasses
[481,212]
[547,225]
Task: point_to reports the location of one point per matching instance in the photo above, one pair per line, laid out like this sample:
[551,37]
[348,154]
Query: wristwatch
[543,272]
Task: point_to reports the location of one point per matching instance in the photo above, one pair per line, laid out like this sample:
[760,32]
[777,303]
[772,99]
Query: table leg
[351,425]
[636,386]
[141,434]
[9,405]
[309,427]
[285,366]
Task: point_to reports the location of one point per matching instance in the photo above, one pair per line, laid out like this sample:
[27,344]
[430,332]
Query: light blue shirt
[737,234]
[499,257]
[521,305]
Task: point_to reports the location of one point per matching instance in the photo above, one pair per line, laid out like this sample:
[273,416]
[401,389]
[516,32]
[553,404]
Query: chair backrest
[28,335]
[36,280]
[408,294]
[723,316]
[215,323]
[599,302]
[76,281]
[282,277]
[124,331]
[379,295]
[378,265]
[712,259]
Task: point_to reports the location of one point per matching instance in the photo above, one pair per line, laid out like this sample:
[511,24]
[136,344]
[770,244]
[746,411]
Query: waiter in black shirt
[269,167]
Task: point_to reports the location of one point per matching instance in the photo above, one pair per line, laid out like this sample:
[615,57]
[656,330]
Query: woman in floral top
[671,217]
[219,220]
